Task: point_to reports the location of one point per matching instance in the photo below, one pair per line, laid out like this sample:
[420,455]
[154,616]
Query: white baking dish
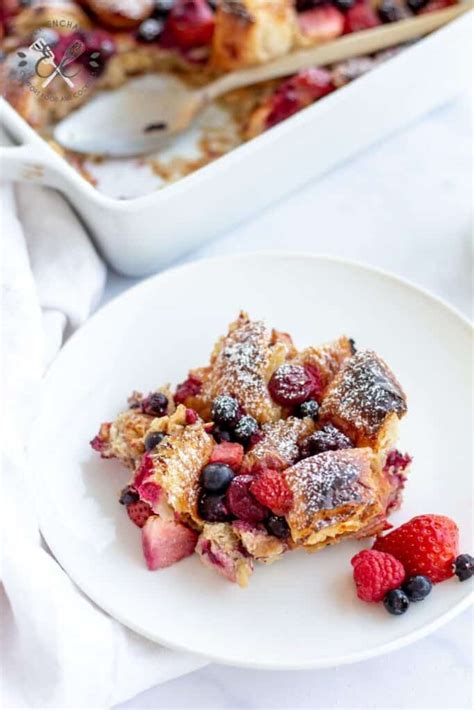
[140,235]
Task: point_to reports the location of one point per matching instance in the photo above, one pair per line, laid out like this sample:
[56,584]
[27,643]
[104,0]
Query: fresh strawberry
[228,453]
[321,23]
[360,17]
[426,545]
[190,23]
[139,512]
[375,574]
[166,542]
[150,492]
[271,490]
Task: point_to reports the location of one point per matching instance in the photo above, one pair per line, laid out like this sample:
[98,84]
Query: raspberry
[375,574]
[271,490]
[360,17]
[191,416]
[290,385]
[228,453]
[189,388]
[242,503]
[139,512]
[426,545]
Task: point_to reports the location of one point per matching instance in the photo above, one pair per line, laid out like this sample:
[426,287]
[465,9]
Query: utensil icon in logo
[73,51]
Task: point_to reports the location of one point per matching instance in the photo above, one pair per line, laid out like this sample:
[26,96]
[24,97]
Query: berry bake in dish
[193,39]
[265,450]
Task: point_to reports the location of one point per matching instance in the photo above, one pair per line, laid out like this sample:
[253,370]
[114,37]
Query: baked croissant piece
[264,450]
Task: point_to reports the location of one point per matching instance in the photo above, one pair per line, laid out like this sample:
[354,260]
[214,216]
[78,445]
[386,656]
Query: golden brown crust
[278,448]
[335,494]
[365,401]
[251,32]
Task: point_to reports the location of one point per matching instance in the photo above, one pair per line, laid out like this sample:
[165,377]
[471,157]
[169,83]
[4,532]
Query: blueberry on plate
[225,410]
[277,526]
[128,495]
[310,408]
[417,588]
[215,477]
[153,439]
[246,427]
[464,567]
[213,508]
[396,602]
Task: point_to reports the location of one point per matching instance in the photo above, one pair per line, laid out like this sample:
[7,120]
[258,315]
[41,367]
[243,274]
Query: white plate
[301,612]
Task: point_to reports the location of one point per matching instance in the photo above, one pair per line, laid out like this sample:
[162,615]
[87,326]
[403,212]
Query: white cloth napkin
[58,649]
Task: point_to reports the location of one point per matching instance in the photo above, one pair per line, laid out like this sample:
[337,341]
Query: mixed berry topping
[153,439]
[189,388]
[277,526]
[242,503]
[191,416]
[150,29]
[464,567]
[245,428]
[128,495]
[360,17]
[139,512]
[391,11]
[417,588]
[155,404]
[417,5]
[215,477]
[271,490]
[396,461]
[297,92]
[396,602]
[213,508]
[290,385]
[229,453]
[310,408]
[144,470]
[225,411]
[329,438]
[220,435]
[162,7]
[190,23]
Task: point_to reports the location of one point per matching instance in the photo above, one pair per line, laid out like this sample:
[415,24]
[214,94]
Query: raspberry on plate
[375,574]
[271,490]
[426,545]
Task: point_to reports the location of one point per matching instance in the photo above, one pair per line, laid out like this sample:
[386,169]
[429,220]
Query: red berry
[426,545]
[191,416]
[396,461]
[242,503]
[189,388]
[139,512]
[298,92]
[360,17]
[375,574]
[101,442]
[144,470]
[190,23]
[291,385]
[271,490]
[228,453]
[321,23]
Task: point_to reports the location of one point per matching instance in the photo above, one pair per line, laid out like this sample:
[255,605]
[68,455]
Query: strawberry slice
[271,490]
[321,23]
[190,23]
[228,453]
[139,512]
[166,542]
[360,17]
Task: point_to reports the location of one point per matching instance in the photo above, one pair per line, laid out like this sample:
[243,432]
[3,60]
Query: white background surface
[404,205]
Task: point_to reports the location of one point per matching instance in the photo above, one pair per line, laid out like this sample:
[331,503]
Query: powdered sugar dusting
[281,439]
[326,482]
[364,393]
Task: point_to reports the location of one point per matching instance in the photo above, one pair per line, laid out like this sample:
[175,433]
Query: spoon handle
[346,47]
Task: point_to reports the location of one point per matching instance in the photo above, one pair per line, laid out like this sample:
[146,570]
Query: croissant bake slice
[365,401]
[336,494]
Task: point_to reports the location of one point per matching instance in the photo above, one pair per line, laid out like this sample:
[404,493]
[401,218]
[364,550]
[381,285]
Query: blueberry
[464,567]
[417,588]
[391,11]
[302,5]
[277,526]
[352,343]
[150,30]
[213,508]
[326,439]
[215,477]
[220,434]
[416,5]
[153,439]
[225,410]
[128,495]
[155,404]
[343,4]
[396,602]
[310,408]
[245,428]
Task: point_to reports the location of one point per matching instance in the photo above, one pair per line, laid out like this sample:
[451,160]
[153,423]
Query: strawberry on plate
[166,542]
[426,545]
[271,490]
